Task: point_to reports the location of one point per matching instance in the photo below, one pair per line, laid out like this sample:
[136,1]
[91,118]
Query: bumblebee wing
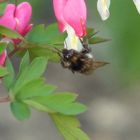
[95,65]
[98,64]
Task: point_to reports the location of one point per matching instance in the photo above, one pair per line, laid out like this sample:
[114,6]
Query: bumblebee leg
[86,49]
[65,64]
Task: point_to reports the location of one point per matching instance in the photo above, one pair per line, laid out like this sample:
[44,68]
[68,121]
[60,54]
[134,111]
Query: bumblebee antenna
[58,50]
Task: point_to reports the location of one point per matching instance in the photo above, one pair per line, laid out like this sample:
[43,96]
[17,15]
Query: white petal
[137,4]
[103,8]
[72,41]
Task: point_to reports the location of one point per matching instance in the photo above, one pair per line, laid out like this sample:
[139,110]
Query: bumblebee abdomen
[77,65]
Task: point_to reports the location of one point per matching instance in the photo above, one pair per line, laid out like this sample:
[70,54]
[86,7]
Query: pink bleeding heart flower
[72,13]
[23,15]
[17,17]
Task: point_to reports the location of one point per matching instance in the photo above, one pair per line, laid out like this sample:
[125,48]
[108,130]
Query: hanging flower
[17,17]
[72,13]
[71,16]
[103,8]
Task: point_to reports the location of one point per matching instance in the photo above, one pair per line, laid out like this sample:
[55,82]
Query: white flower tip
[103,8]
[72,41]
[137,4]
[105,15]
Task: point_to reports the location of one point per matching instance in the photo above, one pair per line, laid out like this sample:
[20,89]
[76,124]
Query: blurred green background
[112,92]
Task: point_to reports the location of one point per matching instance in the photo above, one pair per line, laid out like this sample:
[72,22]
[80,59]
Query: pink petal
[3,58]
[8,19]
[27,29]
[23,15]
[58,10]
[75,15]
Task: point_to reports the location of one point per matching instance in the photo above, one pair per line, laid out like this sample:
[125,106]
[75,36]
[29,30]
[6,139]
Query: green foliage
[30,72]
[61,102]
[30,88]
[69,127]
[10,77]
[24,62]
[44,51]
[20,110]
[10,33]
[2,7]
[3,71]
[38,106]
[49,35]
[35,88]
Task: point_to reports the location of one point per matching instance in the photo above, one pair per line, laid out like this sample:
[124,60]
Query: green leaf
[46,52]
[54,36]
[37,35]
[10,33]
[38,106]
[62,103]
[41,35]
[3,46]
[32,72]
[69,126]
[24,62]
[3,71]
[96,40]
[35,88]
[2,7]
[10,78]
[20,110]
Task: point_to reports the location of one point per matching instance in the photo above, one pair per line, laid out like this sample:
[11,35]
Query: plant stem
[4,99]
[17,49]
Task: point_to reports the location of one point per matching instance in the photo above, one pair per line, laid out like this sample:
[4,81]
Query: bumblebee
[81,62]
